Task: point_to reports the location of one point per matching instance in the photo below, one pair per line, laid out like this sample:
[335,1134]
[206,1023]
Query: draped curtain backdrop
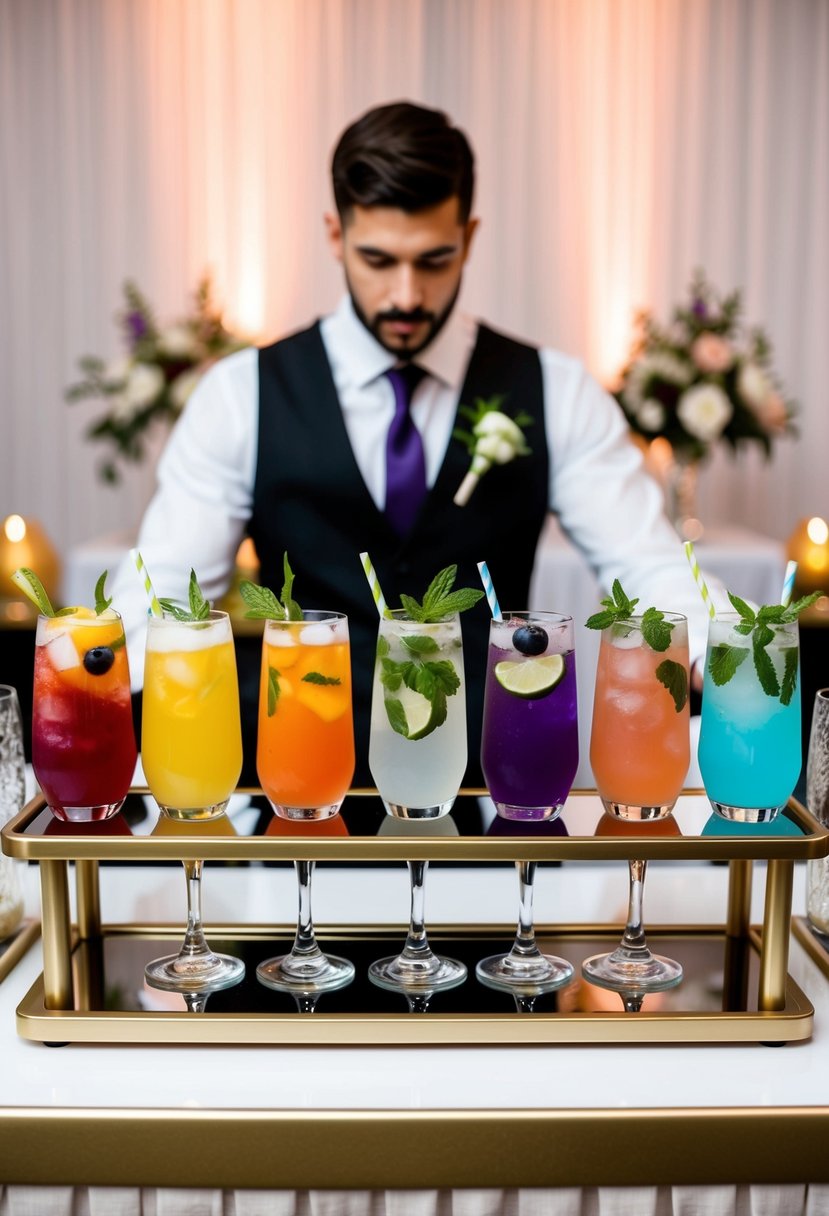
[620,144]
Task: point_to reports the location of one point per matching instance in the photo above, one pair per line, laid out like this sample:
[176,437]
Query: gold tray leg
[774,954]
[739,896]
[57,965]
[89,898]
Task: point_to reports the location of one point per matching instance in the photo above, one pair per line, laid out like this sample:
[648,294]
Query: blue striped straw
[788,584]
[491,597]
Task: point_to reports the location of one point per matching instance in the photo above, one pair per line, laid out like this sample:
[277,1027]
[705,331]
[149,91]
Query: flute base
[528,814]
[195,973]
[306,813]
[634,812]
[87,814]
[304,976]
[419,812]
[632,972]
[432,973]
[745,814]
[194,814]
[524,976]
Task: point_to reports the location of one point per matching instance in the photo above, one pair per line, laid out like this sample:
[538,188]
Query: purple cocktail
[530,746]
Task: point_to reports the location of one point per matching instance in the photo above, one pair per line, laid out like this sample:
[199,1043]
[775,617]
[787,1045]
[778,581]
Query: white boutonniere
[493,438]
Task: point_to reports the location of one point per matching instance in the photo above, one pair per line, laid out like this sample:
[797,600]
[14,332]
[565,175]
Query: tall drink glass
[305,762]
[417,756]
[750,746]
[529,755]
[639,752]
[83,743]
[191,750]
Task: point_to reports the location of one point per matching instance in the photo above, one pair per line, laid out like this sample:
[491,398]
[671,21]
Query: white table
[569,1107]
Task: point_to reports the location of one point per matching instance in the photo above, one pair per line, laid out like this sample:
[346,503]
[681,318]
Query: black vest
[310,500]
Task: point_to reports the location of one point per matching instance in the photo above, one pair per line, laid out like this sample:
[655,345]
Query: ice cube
[316,635]
[281,637]
[62,652]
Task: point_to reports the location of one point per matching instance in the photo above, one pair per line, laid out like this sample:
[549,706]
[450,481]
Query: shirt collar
[358,352]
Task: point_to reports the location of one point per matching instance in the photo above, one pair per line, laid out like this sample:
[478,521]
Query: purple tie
[405,462]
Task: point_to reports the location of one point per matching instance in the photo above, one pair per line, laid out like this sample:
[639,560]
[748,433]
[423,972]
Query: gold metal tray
[718,1000]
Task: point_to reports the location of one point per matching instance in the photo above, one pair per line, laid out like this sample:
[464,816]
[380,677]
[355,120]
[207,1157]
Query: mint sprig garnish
[199,608]
[759,626]
[273,690]
[101,601]
[434,679]
[619,608]
[316,677]
[263,604]
[440,600]
[675,678]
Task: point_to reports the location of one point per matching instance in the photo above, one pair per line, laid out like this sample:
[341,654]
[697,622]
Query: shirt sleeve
[203,500]
[607,503]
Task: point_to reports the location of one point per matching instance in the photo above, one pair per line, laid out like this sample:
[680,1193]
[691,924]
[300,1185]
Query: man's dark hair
[405,156]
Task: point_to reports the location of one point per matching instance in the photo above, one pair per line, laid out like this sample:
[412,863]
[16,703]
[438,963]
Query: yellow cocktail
[191,742]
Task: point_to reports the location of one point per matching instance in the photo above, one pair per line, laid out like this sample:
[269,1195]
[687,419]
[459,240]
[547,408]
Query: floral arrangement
[153,380]
[703,378]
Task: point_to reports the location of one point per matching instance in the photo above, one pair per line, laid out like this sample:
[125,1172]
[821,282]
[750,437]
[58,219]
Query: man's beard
[403,351]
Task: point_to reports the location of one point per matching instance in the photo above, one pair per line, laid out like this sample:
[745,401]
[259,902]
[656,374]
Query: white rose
[667,366]
[182,387]
[496,423]
[651,415]
[121,408]
[495,449]
[144,384]
[177,342]
[753,385]
[117,371]
[704,411]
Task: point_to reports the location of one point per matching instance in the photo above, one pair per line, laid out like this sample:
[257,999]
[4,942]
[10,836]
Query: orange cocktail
[305,750]
[639,745]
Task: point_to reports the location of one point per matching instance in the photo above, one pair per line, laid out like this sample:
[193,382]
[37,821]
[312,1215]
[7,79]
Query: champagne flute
[639,752]
[529,756]
[191,749]
[305,763]
[417,756]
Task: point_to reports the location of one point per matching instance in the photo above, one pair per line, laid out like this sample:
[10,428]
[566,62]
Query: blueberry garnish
[530,639]
[98,660]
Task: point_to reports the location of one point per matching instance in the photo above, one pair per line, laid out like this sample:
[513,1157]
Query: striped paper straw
[155,607]
[491,597]
[376,593]
[698,579]
[788,584]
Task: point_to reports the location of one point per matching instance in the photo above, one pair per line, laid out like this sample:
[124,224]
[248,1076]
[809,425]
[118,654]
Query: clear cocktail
[417,745]
[83,743]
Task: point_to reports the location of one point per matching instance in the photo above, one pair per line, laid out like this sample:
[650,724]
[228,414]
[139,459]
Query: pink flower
[711,353]
[772,414]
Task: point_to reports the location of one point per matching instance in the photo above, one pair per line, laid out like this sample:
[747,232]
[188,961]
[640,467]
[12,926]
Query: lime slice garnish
[414,716]
[27,581]
[533,677]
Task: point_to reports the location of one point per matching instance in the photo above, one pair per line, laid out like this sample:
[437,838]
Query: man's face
[403,269]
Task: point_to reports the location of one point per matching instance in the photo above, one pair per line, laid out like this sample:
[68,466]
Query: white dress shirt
[605,502]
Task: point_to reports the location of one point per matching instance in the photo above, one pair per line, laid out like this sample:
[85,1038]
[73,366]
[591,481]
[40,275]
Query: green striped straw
[376,593]
[155,607]
[698,579]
